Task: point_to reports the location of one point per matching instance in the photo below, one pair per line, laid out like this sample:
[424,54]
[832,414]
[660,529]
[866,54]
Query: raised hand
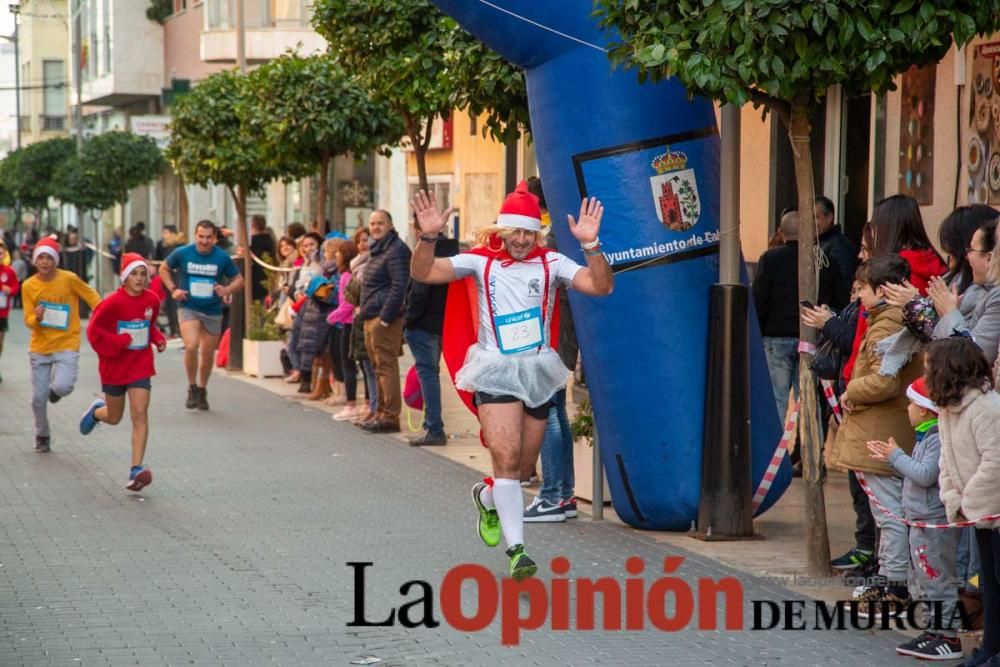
[429,219]
[815,317]
[586,228]
[880,450]
[945,300]
[900,295]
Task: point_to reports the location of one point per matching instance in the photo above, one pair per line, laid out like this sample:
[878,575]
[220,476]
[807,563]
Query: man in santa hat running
[510,368]
[123,331]
[51,300]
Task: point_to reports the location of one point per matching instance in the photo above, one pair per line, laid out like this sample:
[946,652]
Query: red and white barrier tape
[791,419]
[916,524]
[831,399]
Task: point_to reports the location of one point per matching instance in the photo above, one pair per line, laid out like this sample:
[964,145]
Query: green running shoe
[521,565]
[489,521]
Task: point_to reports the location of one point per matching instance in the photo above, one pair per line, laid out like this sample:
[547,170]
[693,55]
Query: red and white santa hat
[918,394]
[520,210]
[130,262]
[46,246]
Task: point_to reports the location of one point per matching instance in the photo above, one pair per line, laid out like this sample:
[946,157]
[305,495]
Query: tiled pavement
[237,553]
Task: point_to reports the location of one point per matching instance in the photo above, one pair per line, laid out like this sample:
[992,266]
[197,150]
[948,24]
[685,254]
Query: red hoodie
[924,265]
[8,278]
[119,361]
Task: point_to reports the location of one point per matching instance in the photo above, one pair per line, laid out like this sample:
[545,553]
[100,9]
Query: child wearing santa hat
[122,331]
[51,300]
[932,550]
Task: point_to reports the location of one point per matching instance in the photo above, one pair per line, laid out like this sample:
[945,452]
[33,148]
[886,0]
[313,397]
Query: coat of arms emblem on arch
[675,191]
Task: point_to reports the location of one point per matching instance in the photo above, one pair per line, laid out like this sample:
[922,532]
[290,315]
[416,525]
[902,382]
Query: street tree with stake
[784,55]
[208,144]
[407,54]
[307,110]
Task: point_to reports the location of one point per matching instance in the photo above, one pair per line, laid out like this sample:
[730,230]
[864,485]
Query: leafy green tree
[306,111]
[784,55]
[75,184]
[407,53]
[27,173]
[209,145]
[115,163]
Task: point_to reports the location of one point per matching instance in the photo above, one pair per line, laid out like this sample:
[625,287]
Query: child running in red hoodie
[122,330]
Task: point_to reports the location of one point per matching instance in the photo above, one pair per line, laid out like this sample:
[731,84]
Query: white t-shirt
[516,291]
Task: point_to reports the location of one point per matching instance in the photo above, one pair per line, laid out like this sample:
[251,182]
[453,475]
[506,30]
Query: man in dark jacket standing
[839,250]
[262,246]
[776,296]
[424,315]
[387,276]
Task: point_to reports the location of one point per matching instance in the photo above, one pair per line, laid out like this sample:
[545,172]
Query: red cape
[461,318]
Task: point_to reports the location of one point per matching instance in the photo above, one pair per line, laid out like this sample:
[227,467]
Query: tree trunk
[413,131]
[323,194]
[239,310]
[810,438]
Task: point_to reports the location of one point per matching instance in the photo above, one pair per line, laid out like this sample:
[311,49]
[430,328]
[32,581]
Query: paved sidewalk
[236,554]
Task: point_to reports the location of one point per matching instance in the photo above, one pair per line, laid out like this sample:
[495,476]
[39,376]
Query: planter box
[583,471]
[262,358]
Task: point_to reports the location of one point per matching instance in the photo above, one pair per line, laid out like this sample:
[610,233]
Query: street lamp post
[15,9]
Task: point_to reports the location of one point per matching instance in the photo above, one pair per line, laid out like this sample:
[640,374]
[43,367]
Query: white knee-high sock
[510,507]
[486,496]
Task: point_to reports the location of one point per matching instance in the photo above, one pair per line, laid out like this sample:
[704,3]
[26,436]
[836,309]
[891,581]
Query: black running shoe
[938,648]
[852,560]
[192,399]
[54,397]
[41,443]
[915,643]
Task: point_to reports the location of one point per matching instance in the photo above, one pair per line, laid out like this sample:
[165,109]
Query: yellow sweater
[65,289]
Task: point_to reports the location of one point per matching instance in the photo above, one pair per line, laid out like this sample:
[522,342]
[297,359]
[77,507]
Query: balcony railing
[53,123]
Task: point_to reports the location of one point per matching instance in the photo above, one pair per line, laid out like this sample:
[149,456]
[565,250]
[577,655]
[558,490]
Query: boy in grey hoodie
[932,550]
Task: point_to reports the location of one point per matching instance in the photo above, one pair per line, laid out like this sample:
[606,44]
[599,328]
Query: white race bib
[518,332]
[3,300]
[138,330]
[55,315]
[201,288]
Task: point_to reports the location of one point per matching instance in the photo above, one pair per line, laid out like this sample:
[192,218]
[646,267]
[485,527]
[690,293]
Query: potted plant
[262,346]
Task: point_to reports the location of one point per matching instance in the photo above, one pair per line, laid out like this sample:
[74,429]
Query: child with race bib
[51,300]
[122,331]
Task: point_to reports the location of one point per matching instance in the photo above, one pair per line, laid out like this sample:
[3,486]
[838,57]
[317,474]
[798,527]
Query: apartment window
[53,94]
[92,50]
[219,15]
[286,12]
[180,6]
[107,36]
[472,124]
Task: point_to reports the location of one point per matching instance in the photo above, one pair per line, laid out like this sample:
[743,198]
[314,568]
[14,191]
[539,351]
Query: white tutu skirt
[530,377]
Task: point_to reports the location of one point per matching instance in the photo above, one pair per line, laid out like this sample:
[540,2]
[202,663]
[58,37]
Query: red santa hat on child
[130,262]
[520,210]
[47,246]
[918,394]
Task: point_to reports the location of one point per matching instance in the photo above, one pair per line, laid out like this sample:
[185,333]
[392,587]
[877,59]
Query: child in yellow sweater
[51,300]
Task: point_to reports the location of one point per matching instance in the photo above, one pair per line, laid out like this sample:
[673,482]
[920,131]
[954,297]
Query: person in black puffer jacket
[386,279]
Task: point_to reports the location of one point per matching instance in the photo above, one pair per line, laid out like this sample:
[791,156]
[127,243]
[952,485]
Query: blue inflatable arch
[652,156]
